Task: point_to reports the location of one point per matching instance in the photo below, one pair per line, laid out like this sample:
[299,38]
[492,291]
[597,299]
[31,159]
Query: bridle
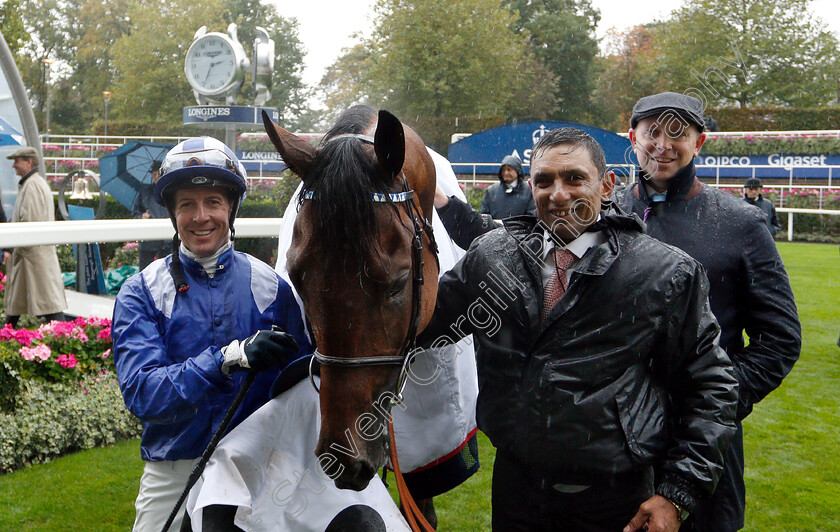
[419,226]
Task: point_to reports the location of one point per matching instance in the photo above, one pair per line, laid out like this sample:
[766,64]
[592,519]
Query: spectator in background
[146,207]
[509,197]
[752,195]
[34,285]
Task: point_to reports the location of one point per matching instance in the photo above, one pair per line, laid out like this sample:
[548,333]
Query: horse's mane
[341,180]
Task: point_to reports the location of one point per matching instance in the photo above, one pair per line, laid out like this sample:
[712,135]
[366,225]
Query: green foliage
[9,378]
[776,118]
[561,36]
[475,195]
[52,419]
[431,58]
[126,255]
[749,52]
[11,25]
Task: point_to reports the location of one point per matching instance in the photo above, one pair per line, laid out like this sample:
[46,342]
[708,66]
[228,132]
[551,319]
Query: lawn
[792,444]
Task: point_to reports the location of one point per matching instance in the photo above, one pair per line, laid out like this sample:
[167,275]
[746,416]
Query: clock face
[211,64]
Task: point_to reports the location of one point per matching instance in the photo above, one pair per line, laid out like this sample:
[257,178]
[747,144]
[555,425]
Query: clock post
[216,66]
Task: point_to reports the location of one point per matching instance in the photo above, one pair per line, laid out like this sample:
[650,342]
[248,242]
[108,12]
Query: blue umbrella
[128,168]
[9,136]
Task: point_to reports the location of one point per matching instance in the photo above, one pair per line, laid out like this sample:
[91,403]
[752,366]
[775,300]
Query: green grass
[792,444]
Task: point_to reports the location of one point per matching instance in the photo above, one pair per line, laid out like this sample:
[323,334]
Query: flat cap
[752,182]
[686,106]
[24,151]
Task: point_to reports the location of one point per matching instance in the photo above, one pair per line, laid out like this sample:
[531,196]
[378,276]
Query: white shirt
[578,247]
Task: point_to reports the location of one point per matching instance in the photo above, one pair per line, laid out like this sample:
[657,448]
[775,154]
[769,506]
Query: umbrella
[128,168]
[9,136]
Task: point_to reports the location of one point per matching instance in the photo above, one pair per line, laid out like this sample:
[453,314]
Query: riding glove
[258,352]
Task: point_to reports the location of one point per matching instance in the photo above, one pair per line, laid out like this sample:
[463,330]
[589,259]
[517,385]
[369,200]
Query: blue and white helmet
[201,162]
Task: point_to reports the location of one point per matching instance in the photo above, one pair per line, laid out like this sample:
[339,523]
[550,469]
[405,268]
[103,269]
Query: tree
[149,82]
[749,52]
[626,72]
[443,59]
[344,82]
[561,35]
[11,25]
[288,93]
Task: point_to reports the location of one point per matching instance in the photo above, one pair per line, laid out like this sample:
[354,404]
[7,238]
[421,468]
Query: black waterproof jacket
[749,290]
[625,371]
[769,211]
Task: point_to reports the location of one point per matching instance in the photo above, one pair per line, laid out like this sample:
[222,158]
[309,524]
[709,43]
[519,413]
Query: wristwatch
[682,513]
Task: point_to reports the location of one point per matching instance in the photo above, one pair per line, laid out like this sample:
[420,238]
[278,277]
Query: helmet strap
[175,268]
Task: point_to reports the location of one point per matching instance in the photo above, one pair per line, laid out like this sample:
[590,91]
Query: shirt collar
[578,247]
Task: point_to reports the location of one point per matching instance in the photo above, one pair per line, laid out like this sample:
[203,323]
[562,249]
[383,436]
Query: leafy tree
[288,93]
[149,82]
[561,35]
[11,25]
[344,82]
[749,52]
[436,59]
[626,72]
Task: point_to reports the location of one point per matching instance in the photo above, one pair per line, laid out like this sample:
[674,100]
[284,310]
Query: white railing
[830,133]
[90,231]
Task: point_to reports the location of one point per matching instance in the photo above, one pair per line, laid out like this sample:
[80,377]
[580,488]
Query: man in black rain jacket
[623,371]
[749,288]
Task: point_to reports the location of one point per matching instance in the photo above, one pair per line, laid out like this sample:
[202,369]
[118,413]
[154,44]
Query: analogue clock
[215,63]
[211,64]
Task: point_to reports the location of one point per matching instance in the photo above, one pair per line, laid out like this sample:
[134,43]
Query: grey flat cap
[25,151]
[687,107]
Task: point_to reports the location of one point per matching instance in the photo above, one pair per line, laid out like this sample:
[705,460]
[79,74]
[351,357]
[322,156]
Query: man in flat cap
[749,288]
[753,196]
[34,285]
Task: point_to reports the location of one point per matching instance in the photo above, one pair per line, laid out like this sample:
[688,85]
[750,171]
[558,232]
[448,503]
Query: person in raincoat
[753,196]
[749,287]
[596,352]
[34,286]
[511,195]
[146,207]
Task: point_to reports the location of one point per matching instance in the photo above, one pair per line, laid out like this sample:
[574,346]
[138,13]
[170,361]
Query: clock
[215,65]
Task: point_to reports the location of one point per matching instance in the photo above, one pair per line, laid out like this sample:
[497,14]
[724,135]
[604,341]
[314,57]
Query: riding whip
[208,451]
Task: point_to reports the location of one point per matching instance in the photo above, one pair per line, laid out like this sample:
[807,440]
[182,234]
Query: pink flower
[7,333]
[40,351]
[106,354]
[104,334]
[80,321]
[25,337]
[80,334]
[130,246]
[67,361]
[63,329]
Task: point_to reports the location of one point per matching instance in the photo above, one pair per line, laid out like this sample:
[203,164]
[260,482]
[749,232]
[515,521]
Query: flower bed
[58,392]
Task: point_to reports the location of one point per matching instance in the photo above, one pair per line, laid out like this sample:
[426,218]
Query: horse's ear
[297,153]
[389,144]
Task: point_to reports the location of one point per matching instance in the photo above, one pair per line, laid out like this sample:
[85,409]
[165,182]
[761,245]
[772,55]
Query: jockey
[191,325]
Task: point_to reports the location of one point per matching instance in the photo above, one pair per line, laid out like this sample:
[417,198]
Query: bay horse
[363,261]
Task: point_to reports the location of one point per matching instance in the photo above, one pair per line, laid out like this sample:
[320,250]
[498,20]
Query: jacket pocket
[643,414]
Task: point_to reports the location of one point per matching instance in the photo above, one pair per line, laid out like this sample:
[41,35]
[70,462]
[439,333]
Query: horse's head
[353,263]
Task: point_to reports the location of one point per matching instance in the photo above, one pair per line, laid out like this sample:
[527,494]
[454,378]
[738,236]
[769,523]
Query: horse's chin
[355,473]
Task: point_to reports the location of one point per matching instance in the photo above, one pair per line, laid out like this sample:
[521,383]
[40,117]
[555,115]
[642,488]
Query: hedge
[776,118]
[52,419]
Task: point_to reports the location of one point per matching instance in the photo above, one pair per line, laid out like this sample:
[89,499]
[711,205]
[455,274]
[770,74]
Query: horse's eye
[397,288]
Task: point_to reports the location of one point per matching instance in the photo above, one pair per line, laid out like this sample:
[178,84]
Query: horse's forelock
[342,213]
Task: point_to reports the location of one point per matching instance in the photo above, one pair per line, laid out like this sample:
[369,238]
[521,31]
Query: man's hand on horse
[656,514]
[258,352]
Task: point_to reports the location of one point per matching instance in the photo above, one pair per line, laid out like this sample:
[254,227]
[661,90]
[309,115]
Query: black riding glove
[261,351]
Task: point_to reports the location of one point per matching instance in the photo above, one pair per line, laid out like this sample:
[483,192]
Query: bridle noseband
[419,226]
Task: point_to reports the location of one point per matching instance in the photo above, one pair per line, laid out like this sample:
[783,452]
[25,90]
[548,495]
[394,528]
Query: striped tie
[557,284]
